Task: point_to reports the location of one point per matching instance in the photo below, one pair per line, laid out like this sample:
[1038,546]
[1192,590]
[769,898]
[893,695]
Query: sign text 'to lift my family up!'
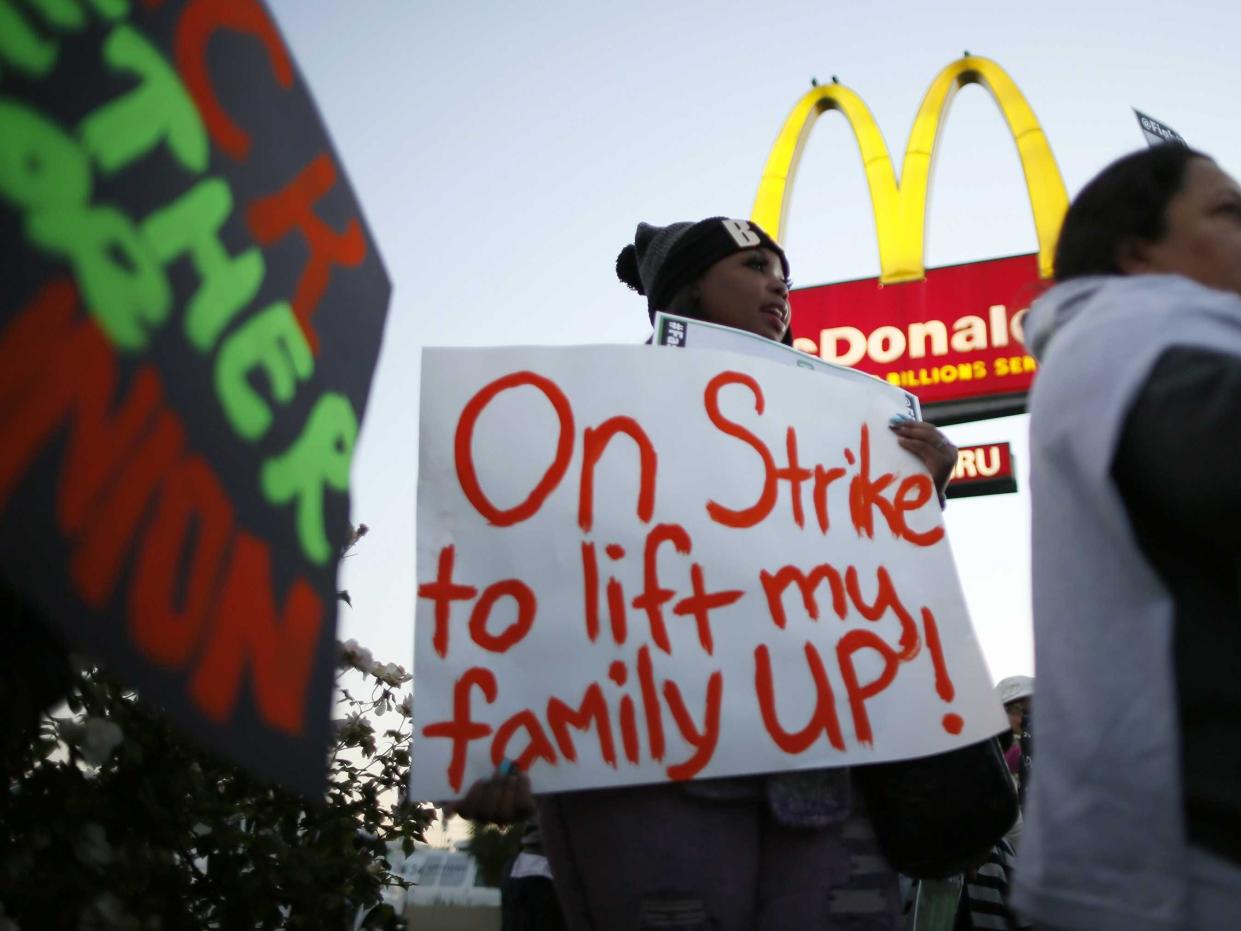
[739,572]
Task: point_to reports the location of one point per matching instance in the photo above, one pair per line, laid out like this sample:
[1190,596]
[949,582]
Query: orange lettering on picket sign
[201,598]
[867,493]
[272,218]
[703,740]
[846,648]
[467,472]
[249,631]
[650,704]
[593,712]
[594,442]
[742,517]
[527,606]
[444,590]
[952,722]
[823,719]
[538,747]
[166,631]
[462,728]
[590,592]
[619,674]
[846,593]
[202,20]
[840,585]
[654,596]
[886,600]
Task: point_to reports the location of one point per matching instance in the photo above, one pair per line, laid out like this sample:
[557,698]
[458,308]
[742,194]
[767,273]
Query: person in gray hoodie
[1133,817]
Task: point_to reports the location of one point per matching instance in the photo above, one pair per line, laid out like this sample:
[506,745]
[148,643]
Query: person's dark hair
[1127,200]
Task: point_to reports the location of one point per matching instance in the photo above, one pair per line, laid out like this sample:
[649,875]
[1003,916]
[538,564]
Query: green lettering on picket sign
[191,226]
[61,14]
[40,165]
[127,297]
[21,46]
[68,15]
[111,9]
[44,171]
[319,458]
[273,341]
[157,109]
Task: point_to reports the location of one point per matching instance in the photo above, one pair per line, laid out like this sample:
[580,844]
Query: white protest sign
[640,564]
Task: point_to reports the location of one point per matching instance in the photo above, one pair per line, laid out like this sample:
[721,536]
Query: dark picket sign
[191,307]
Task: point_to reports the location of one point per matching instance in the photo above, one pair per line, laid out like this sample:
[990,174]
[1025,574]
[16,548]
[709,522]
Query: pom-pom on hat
[663,259]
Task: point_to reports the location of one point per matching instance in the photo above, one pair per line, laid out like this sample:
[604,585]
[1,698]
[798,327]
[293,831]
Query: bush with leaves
[111,819]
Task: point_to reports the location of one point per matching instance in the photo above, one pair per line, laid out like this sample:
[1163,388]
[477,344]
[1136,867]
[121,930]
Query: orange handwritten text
[131,493]
[867,493]
[603,709]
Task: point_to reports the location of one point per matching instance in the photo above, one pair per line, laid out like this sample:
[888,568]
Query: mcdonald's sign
[950,335]
[983,470]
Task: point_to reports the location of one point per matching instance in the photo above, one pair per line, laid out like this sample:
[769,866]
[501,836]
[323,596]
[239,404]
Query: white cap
[1015,687]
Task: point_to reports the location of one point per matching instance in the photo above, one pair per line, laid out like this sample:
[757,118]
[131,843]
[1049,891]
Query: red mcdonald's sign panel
[953,338]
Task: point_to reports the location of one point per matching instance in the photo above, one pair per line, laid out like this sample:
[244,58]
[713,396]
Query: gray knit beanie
[663,259]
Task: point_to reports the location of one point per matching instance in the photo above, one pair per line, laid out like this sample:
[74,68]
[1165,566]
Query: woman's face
[747,291]
[1203,237]
[1016,711]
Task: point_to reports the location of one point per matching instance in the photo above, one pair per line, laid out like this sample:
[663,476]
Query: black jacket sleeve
[1178,467]
[1179,457]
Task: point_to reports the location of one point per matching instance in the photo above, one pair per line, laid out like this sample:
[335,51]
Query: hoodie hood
[1053,310]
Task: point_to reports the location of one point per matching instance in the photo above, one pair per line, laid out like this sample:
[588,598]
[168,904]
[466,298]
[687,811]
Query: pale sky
[504,152]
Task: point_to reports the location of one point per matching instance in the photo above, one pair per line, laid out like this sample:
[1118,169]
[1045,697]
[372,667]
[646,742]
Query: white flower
[99,737]
[406,707]
[390,673]
[356,656]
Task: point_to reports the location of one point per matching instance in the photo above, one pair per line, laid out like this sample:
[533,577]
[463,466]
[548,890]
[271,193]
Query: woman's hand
[926,442]
[503,798]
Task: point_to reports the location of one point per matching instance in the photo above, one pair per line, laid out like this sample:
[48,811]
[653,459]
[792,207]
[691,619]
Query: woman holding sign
[787,850]
[1133,819]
